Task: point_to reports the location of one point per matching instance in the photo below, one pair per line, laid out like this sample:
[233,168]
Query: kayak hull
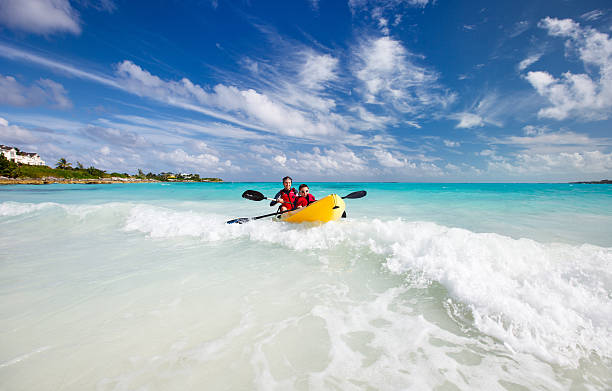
[326,209]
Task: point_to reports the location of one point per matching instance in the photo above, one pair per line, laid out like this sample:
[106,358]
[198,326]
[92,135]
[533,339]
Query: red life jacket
[304,200]
[288,197]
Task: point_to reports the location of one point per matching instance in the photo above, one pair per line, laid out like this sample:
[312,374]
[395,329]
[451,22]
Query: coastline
[89,181]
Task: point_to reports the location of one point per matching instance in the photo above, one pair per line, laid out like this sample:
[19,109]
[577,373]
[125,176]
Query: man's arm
[272,203]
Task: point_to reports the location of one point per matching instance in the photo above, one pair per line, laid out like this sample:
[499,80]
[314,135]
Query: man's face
[287,184]
[304,191]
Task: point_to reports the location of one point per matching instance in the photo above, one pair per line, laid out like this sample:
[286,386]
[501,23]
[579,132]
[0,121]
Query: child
[304,198]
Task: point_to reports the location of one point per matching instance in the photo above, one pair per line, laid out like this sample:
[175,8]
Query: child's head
[304,189]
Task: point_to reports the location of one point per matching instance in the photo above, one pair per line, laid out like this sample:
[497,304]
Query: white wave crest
[550,300]
[10,208]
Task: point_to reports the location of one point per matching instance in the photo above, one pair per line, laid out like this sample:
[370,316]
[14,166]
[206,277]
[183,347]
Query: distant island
[602,182]
[12,173]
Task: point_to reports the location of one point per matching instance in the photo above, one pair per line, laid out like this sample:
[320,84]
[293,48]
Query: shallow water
[424,286]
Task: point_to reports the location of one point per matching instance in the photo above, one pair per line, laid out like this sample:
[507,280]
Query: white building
[29,158]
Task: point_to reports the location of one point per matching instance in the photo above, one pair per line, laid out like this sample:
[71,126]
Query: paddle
[257,196]
[254,195]
[242,220]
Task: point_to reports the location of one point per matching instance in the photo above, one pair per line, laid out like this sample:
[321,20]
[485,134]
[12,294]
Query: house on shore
[17,156]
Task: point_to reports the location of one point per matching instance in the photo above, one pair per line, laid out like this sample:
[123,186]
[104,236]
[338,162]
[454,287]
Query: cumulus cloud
[44,91]
[332,160]
[545,153]
[40,16]
[15,134]
[584,96]
[387,159]
[564,163]
[185,161]
[541,140]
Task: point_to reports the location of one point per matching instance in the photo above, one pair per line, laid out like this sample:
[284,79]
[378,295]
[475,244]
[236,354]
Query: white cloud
[41,92]
[331,161]
[564,163]
[203,161]
[261,112]
[577,95]
[389,76]
[526,63]
[16,54]
[468,120]
[452,144]
[541,140]
[519,28]
[40,16]
[318,70]
[357,5]
[548,154]
[592,15]
[214,129]
[115,137]
[386,159]
[494,108]
[15,134]
[280,159]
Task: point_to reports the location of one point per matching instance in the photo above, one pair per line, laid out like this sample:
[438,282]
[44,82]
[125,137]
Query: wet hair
[303,185]
[287,177]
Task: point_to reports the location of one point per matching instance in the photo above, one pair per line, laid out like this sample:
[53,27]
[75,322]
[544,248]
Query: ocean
[422,287]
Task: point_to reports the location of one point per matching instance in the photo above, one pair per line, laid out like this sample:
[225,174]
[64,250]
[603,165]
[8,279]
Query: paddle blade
[253,195]
[240,220]
[356,194]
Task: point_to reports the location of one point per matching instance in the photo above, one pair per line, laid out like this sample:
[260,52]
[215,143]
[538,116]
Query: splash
[551,300]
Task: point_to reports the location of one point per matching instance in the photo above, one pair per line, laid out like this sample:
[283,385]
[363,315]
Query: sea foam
[551,300]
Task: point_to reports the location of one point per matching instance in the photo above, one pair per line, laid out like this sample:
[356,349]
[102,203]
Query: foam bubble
[10,208]
[549,300]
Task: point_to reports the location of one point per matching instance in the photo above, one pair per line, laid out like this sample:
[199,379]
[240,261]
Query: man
[286,197]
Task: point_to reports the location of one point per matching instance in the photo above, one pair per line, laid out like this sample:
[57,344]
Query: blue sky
[388,90]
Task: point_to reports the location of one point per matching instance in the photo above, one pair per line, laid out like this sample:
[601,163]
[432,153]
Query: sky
[322,90]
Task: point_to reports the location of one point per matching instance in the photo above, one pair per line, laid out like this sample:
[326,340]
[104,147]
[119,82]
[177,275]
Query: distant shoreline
[90,181]
[602,182]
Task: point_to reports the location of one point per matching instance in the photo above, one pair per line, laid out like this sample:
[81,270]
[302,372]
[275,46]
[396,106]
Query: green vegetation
[7,167]
[171,177]
[65,170]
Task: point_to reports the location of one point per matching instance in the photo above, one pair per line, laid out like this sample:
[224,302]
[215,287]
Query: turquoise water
[423,286]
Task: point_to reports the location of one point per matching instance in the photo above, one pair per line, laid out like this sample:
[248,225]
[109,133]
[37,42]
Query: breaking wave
[551,300]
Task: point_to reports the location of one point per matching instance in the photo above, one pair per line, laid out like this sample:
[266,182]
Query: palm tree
[63,164]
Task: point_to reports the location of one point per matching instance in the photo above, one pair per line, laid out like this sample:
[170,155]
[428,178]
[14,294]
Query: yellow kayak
[326,209]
